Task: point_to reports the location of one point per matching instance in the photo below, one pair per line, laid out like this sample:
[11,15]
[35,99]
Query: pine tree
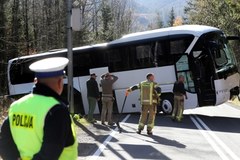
[33,26]
[171,17]
[107,21]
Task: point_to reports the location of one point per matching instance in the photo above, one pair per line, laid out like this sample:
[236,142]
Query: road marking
[213,139]
[219,141]
[107,140]
[208,138]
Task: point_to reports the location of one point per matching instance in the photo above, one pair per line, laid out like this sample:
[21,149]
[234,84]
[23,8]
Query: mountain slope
[146,10]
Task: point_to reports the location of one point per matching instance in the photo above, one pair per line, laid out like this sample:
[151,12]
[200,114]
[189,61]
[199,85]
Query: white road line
[107,140]
[219,141]
[208,138]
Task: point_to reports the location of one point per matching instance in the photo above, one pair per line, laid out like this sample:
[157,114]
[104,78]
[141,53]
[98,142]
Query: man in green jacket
[92,95]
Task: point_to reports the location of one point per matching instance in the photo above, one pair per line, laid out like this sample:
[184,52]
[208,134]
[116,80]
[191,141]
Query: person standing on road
[179,93]
[39,125]
[149,97]
[106,83]
[92,95]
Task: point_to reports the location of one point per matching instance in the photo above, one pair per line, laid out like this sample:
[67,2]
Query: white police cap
[49,67]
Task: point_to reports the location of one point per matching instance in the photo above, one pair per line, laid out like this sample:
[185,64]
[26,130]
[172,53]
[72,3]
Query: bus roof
[196,30]
[56,51]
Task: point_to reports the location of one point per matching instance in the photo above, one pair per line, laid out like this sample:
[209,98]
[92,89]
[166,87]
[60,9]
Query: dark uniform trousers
[148,114]
[178,107]
[92,101]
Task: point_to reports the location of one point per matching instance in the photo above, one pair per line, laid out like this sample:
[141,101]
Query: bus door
[204,75]
[182,68]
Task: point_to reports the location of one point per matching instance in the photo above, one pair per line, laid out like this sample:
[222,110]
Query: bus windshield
[221,52]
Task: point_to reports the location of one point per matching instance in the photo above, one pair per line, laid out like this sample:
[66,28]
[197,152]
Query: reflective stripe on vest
[27,117]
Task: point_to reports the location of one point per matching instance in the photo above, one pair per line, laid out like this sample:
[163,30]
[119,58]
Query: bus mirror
[196,53]
[230,38]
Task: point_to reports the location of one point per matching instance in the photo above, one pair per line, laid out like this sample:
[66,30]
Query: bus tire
[166,104]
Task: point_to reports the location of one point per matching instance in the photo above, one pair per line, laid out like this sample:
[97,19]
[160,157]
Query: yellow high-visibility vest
[27,117]
[147,95]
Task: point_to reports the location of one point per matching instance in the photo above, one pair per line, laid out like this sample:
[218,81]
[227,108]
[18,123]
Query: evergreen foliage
[171,18]
[33,26]
[224,14]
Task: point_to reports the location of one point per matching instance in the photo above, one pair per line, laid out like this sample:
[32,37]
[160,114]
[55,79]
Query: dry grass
[3,114]
[235,100]
[81,120]
[4,105]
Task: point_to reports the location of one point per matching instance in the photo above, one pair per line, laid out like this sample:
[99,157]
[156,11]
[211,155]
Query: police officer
[179,93]
[149,98]
[39,125]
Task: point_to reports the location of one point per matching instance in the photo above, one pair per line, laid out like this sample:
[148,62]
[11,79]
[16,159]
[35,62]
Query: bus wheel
[167,103]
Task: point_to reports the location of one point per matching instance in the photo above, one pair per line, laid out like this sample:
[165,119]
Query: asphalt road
[208,133]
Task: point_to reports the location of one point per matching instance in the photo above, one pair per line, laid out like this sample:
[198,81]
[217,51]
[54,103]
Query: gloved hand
[127,91]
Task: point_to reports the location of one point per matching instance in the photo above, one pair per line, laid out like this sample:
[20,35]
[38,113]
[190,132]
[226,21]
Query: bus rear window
[20,72]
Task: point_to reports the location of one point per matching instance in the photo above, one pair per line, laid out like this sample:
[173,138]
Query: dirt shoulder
[4,105]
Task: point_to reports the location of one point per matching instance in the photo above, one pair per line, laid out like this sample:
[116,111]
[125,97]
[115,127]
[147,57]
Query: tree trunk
[3,58]
[15,39]
[26,27]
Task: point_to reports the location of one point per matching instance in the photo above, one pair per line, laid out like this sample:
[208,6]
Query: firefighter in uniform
[39,125]
[179,93]
[149,98]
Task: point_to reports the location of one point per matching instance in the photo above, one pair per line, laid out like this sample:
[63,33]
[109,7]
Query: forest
[33,26]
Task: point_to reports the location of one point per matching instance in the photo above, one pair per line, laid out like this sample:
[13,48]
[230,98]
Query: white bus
[200,53]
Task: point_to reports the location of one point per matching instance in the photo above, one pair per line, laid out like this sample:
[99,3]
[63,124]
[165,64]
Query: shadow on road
[220,124]
[99,133]
[144,151]
[96,132]
[215,123]
[165,141]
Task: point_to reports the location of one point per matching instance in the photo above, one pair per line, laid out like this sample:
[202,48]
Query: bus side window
[144,54]
[177,46]
[81,64]
[163,57]
[115,59]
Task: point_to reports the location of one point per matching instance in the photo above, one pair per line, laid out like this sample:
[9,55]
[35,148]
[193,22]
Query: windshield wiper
[226,67]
